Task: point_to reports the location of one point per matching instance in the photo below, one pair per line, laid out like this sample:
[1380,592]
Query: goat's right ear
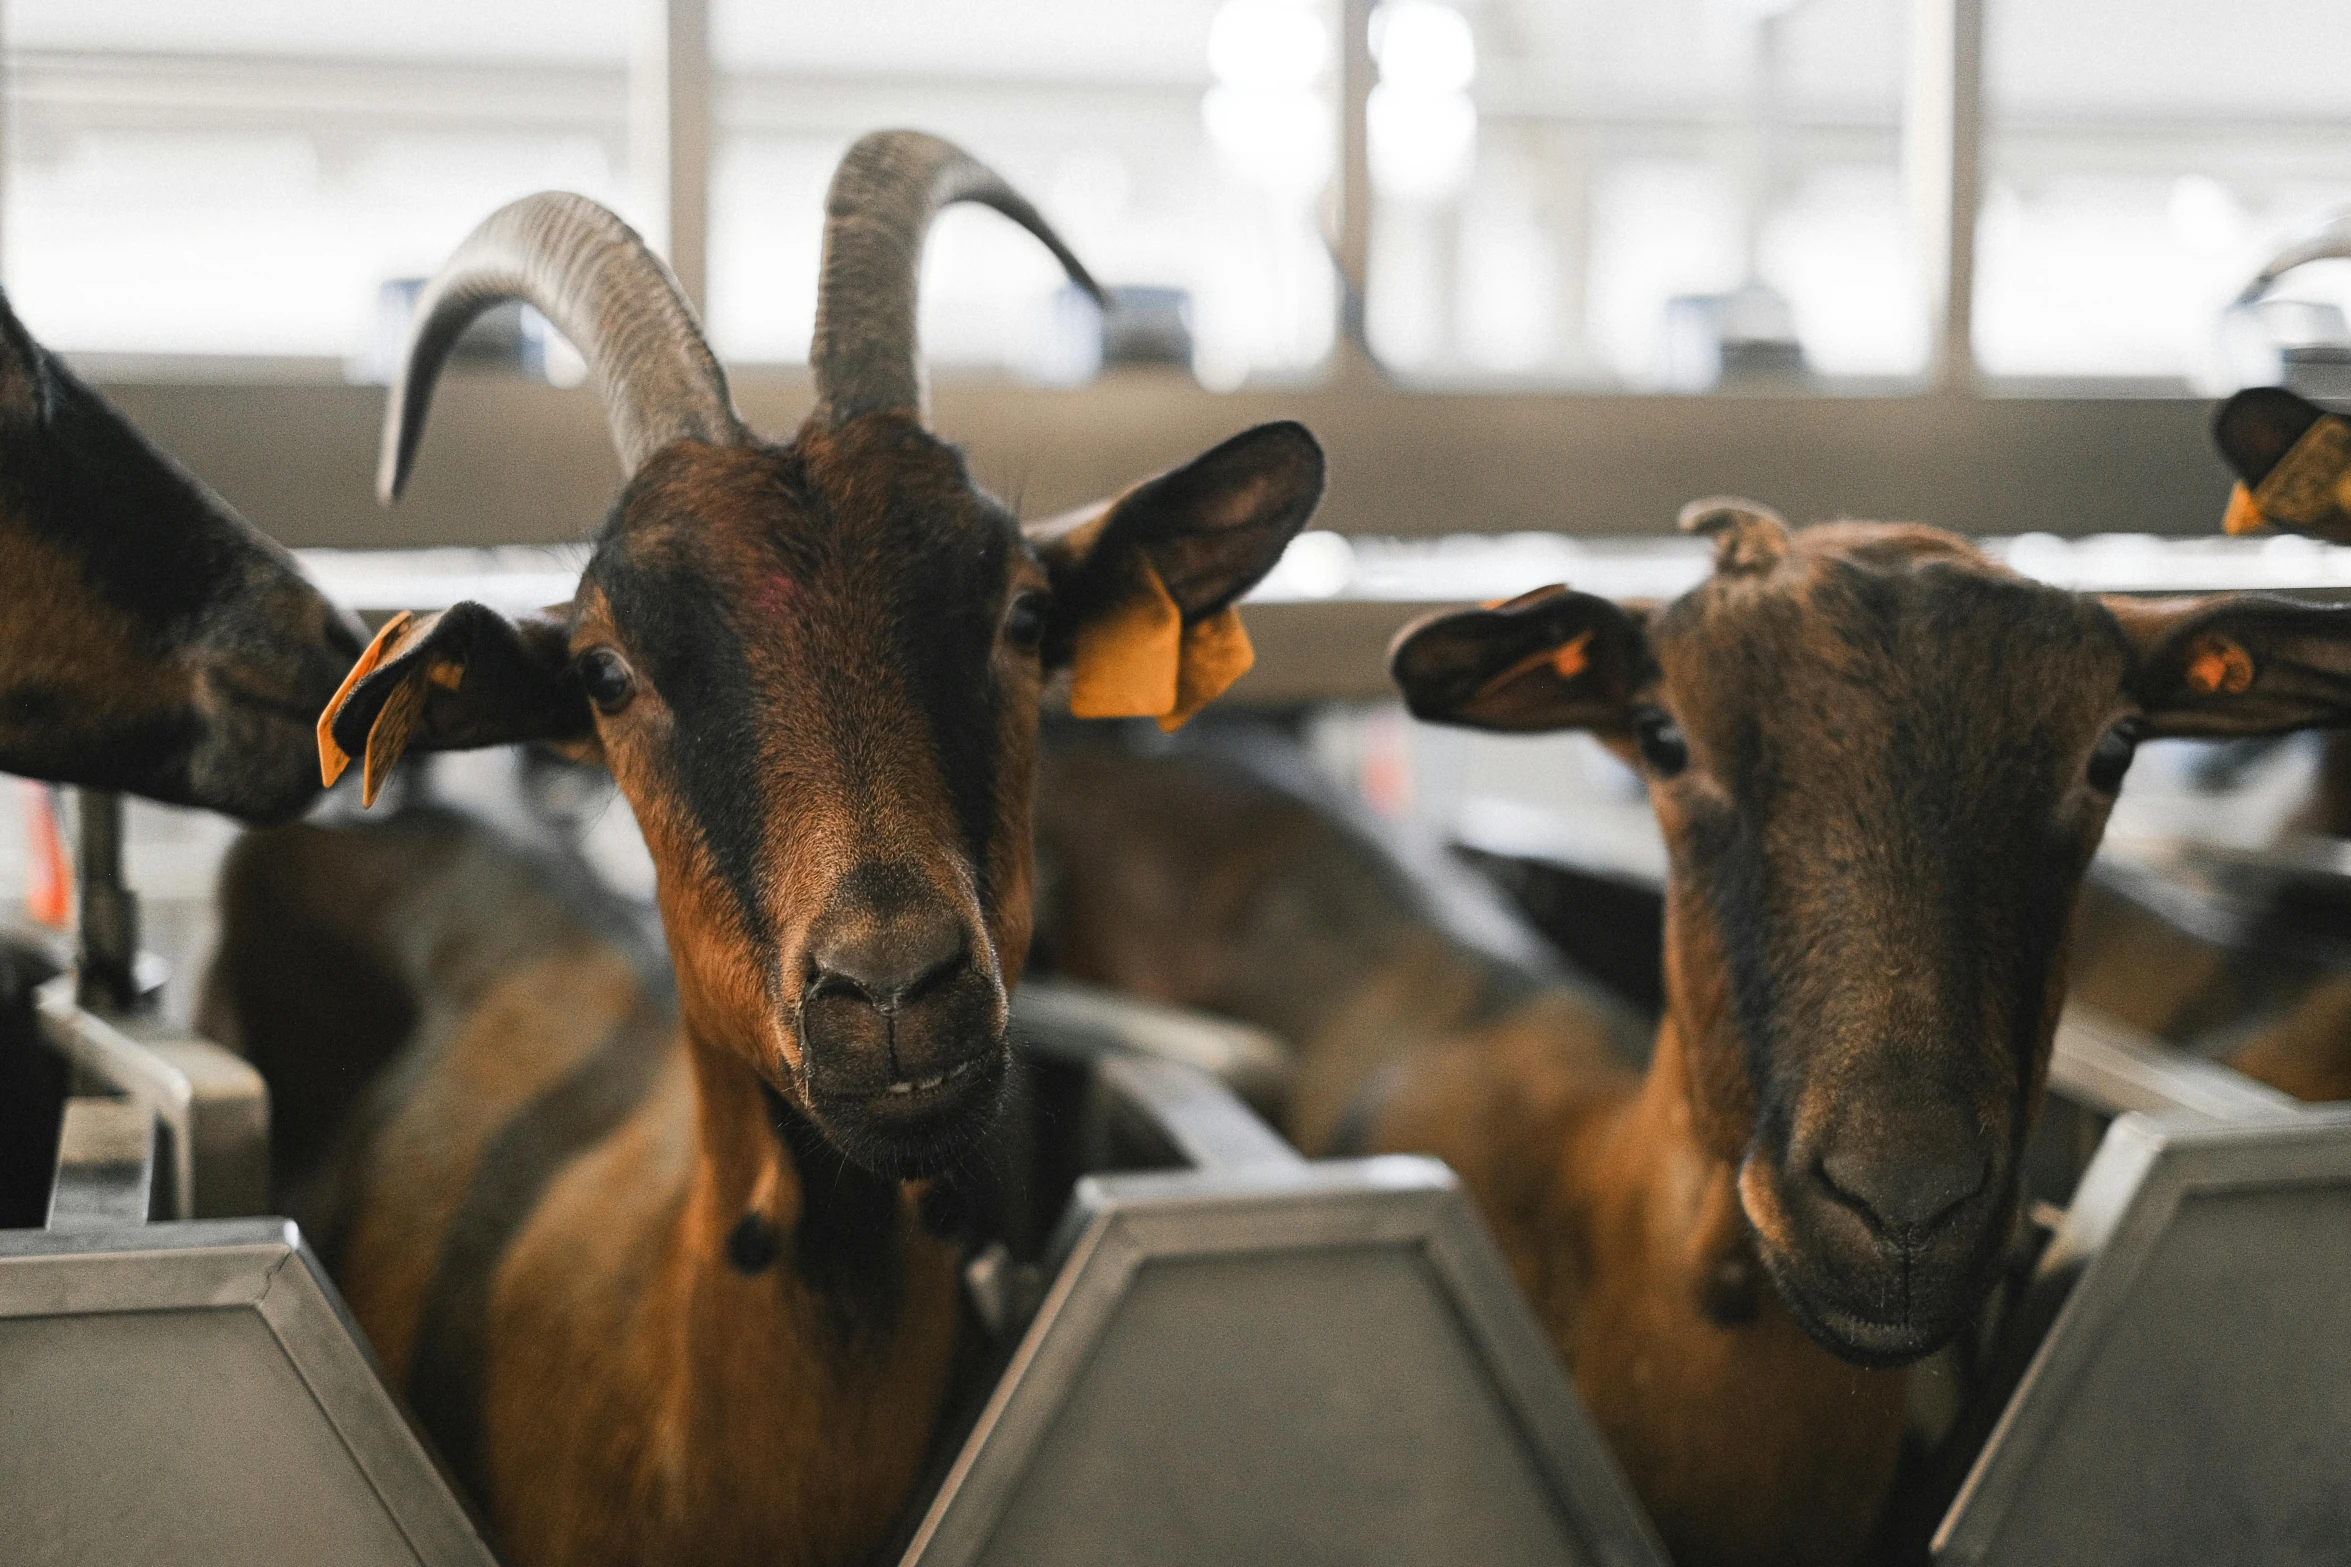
[1144,585]
[2292,460]
[464,677]
[1550,659]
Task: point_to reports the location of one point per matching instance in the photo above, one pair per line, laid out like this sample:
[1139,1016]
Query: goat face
[1881,764]
[815,672]
[149,639]
[814,668]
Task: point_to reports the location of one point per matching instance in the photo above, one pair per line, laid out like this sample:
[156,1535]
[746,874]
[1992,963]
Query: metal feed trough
[1238,1356]
[2189,1401]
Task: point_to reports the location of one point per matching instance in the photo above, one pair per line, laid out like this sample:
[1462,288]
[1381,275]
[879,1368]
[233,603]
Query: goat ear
[2292,460]
[464,677]
[2238,664]
[1144,585]
[1550,659]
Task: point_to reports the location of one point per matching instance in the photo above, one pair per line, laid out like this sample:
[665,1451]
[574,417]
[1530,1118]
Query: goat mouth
[915,1127]
[916,1087]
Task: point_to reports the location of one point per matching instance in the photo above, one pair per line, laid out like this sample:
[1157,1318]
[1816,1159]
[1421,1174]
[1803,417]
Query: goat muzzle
[902,1036]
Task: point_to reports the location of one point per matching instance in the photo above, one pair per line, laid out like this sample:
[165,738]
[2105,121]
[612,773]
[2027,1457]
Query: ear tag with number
[332,759]
[1142,661]
[397,719]
[2310,488]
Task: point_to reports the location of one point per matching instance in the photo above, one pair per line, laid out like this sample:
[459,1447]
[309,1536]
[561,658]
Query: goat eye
[607,678]
[1024,623]
[2110,758]
[1660,741]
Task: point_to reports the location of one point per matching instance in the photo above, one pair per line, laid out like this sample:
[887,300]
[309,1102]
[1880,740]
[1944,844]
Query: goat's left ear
[461,678]
[1547,660]
[1144,585]
[2238,664]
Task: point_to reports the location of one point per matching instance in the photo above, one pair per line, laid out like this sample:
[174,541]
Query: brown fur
[571,1210]
[1876,758]
[620,1343]
[1183,880]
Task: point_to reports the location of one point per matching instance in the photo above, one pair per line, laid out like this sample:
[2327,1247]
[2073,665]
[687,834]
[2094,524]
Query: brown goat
[648,1260]
[150,639]
[1881,763]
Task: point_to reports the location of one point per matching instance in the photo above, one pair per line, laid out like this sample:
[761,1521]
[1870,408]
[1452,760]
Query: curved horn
[2331,240]
[590,275]
[885,193]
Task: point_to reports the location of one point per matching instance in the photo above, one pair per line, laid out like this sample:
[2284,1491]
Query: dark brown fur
[150,640]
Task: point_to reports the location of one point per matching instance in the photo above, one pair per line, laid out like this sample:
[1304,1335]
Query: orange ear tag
[1216,653]
[331,757]
[2217,665]
[1141,661]
[2243,516]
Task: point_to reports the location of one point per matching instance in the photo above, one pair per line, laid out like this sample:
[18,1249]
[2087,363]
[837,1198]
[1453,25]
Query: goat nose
[887,960]
[1903,1194]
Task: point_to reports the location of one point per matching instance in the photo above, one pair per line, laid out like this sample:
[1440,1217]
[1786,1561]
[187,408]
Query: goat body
[1192,879]
[644,1311]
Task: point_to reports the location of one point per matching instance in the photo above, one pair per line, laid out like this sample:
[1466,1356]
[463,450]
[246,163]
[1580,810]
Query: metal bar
[1085,1022]
[669,134]
[212,1106]
[1198,1117]
[107,916]
[2106,1066]
[105,1165]
[1943,131]
[1352,353]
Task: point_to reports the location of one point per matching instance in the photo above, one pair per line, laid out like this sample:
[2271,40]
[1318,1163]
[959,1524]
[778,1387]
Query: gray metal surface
[2108,1067]
[2191,1403]
[105,1174]
[1085,1022]
[1281,1363]
[213,1160]
[192,1394]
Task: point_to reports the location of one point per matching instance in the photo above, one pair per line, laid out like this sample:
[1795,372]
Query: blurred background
[1553,264]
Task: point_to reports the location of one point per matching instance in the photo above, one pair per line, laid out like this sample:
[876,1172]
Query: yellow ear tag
[388,736]
[1141,661]
[2243,516]
[2304,490]
[331,757]
[1216,653]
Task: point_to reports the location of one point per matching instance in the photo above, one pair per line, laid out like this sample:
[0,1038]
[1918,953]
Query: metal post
[669,134]
[1353,357]
[109,913]
[1943,134]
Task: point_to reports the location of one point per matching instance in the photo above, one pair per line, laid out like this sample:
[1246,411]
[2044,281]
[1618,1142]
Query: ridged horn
[885,193]
[599,285]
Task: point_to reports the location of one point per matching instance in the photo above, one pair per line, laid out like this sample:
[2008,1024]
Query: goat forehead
[1842,660]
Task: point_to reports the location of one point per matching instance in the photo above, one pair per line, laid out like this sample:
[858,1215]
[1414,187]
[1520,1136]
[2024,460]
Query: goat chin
[927,1131]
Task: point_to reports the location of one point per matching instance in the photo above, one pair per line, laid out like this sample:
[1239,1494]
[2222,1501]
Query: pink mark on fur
[775,594]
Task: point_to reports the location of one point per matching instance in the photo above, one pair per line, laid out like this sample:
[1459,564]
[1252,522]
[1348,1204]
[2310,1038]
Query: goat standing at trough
[651,1263]
[1881,763]
[150,639]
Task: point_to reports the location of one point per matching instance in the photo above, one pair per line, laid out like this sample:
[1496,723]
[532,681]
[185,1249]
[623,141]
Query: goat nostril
[1902,1198]
[888,966]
